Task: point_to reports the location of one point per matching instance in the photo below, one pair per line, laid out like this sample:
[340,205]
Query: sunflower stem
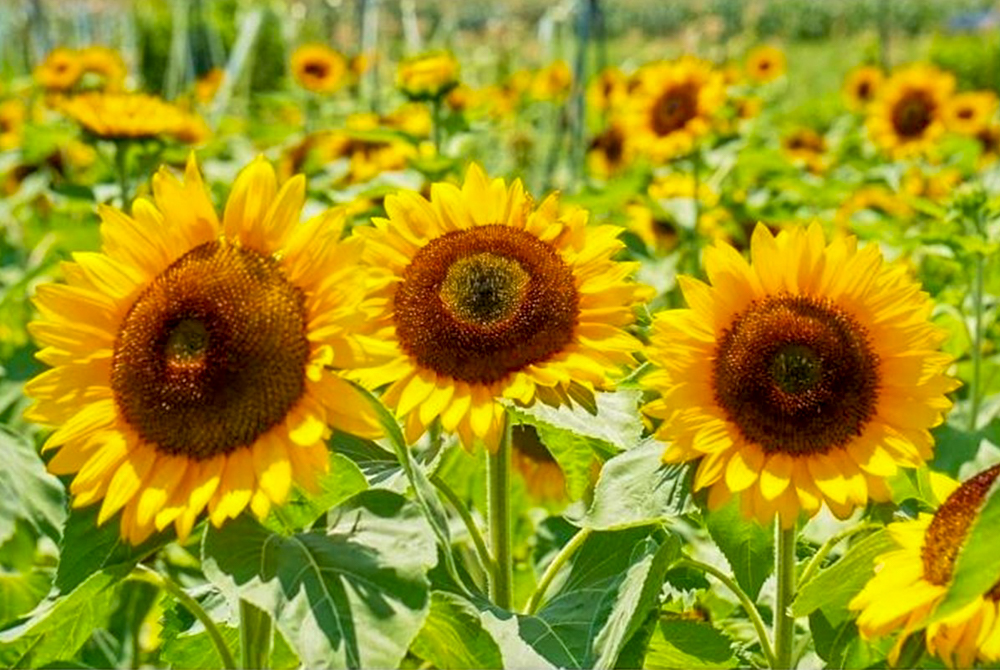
[784,623]
[255,636]
[977,342]
[121,167]
[436,119]
[489,565]
[554,567]
[817,560]
[748,604]
[498,491]
[146,574]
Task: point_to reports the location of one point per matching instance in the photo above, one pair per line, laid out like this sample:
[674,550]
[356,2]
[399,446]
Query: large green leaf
[599,602]
[977,565]
[353,597]
[636,488]
[27,491]
[748,546]
[832,589]
[87,548]
[344,480]
[453,636]
[685,643]
[58,627]
[20,591]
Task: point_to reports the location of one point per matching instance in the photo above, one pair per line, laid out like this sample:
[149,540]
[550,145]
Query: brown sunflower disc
[674,108]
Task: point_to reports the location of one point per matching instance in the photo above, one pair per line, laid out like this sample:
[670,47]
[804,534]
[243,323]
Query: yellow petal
[273,468]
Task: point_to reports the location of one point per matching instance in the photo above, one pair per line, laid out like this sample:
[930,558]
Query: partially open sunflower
[910,582]
[318,68]
[804,378]
[861,87]
[542,475]
[908,118]
[672,106]
[481,296]
[189,356]
[60,70]
[971,112]
[765,63]
[132,116]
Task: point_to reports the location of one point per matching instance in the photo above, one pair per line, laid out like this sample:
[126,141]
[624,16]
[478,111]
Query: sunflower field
[576,334]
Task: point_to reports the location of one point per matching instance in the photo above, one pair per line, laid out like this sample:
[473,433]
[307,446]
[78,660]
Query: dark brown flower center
[674,109]
[966,113]
[612,144]
[479,304]
[212,353]
[316,69]
[913,114]
[796,375]
[948,529]
[864,91]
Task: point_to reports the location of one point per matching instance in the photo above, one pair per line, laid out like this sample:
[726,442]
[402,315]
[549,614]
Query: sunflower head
[60,70]
[484,296]
[12,115]
[672,106]
[542,475]
[132,116]
[551,82]
[190,358]
[804,377]
[428,76]
[922,567]
[104,67]
[970,113]
[607,91]
[908,117]
[805,146]
[318,68]
[606,153]
[861,87]
[765,63]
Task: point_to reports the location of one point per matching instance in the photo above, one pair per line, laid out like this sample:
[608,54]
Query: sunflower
[318,68]
[970,113]
[765,63]
[910,582]
[606,153]
[989,144]
[861,87]
[672,106]
[806,377]
[551,82]
[130,116]
[480,296]
[60,70]
[428,76]
[542,475]
[208,84]
[806,147]
[105,66]
[873,197]
[909,116]
[188,357]
[608,91]
[12,113]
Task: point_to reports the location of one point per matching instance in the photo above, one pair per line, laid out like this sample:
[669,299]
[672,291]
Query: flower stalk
[498,467]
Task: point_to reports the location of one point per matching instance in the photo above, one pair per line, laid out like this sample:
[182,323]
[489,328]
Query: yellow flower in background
[482,296]
[427,76]
[105,66]
[970,113]
[606,152]
[658,233]
[542,475]
[935,186]
[608,91]
[862,86]
[911,580]
[877,198]
[672,106]
[804,146]
[989,144]
[678,185]
[60,70]
[804,378]
[131,116]
[552,82]
[318,68]
[12,114]
[208,84]
[908,117]
[413,119]
[765,63]
[153,418]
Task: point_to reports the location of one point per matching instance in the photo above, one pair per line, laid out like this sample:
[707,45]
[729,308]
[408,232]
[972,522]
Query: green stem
[489,566]
[784,624]
[255,636]
[436,114]
[121,167]
[150,576]
[817,560]
[748,604]
[977,342]
[498,491]
[557,563]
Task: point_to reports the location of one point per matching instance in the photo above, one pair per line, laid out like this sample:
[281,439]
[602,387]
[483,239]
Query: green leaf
[574,454]
[978,562]
[603,598]
[832,589]
[683,643]
[87,547]
[453,636]
[21,591]
[27,491]
[617,426]
[748,546]
[58,627]
[344,480]
[636,487]
[353,597]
